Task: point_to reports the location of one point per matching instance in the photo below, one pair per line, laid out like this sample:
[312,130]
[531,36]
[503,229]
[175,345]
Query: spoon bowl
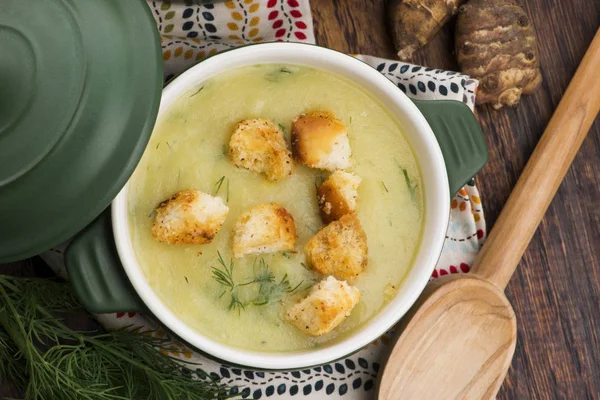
[455,313]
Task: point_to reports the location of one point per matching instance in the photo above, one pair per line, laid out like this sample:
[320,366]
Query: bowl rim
[436,204]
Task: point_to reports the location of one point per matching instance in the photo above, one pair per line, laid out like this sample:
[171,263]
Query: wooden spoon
[459,339]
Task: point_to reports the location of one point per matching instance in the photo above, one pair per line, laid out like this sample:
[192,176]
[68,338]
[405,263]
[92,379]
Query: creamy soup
[188,150]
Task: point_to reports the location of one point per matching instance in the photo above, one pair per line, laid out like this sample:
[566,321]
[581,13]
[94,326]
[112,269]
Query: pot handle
[96,272]
[459,136]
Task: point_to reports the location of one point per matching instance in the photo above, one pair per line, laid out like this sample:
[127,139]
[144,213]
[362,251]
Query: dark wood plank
[556,290]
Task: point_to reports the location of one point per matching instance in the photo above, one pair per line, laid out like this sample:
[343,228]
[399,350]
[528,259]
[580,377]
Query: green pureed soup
[188,150]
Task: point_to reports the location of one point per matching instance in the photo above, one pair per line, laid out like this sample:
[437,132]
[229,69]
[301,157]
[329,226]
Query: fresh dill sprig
[261,290]
[262,274]
[227,197]
[47,360]
[281,127]
[319,179]
[409,184]
[199,90]
[225,276]
[286,135]
[235,303]
[218,185]
[271,290]
[385,187]
[275,75]
[167,143]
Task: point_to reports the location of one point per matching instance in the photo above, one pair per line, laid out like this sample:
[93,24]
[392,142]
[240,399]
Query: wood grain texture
[458,343]
[545,170]
[556,289]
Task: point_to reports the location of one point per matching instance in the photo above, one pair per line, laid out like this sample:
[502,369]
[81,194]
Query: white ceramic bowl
[434,180]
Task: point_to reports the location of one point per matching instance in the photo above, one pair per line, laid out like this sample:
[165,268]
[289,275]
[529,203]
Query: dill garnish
[385,187]
[311,228]
[227,198]
[275,75]
[319,179]
[186,279]
[225,276]
[259,291]
[286,255]
[199,90]
[219,184]
[45,359]
[411,187]
[168,144]
[286,136]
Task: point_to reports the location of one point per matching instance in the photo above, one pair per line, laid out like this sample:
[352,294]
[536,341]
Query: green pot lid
[80,85]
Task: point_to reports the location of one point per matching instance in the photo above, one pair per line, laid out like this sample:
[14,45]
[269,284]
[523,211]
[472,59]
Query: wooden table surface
[556,289]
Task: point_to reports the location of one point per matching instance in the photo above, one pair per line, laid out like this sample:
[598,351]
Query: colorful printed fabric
[192,32]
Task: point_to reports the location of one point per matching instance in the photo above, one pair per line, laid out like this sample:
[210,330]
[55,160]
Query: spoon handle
[543,173]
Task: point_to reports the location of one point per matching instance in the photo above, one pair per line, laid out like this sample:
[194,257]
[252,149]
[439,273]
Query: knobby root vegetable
[495,43]
[413,23]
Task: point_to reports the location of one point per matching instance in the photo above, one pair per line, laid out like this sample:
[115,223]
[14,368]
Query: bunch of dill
[48,360]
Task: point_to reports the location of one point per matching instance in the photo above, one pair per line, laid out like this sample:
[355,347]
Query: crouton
[339,249]
[327,305]
[337,195]
[320,140]
[258,145]
[189,217]
[266,228]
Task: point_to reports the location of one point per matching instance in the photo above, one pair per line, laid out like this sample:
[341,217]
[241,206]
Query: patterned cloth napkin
[189,33]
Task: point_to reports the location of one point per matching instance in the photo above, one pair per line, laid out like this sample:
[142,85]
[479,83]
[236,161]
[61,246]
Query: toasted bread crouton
[337,195]
[320,140]
[265,228]
[327,305]
[339,249]
[189,217]
[258,145]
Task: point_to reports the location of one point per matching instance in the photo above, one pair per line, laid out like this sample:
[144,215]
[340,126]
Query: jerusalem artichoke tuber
[413,23]
[495,43]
